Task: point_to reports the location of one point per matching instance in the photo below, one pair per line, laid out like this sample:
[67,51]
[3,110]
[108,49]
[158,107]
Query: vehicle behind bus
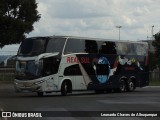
[65,64]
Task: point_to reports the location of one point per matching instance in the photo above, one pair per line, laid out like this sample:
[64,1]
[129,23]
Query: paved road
[143,99]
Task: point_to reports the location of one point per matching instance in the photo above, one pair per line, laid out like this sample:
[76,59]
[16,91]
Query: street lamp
[119,27]
[152,32]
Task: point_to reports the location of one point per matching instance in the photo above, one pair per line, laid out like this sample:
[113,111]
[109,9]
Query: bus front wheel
[64,88]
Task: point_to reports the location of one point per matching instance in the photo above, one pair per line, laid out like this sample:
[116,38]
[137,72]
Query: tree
[16,20]
[156,44]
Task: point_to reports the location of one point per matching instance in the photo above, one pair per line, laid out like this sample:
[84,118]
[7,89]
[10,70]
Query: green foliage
[154,83]
[156,44]
[16,19]
[152,61]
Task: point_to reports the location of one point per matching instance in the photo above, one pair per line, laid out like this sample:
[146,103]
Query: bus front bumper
[25,86]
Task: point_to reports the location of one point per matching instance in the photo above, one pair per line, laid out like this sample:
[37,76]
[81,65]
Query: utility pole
[119,27]
[152,32]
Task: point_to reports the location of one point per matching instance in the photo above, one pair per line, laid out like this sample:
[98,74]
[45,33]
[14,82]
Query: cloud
[75,9]
[139,11]
[9,49]
[97,18]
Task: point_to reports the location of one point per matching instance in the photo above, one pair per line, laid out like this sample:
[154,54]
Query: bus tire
[122,86]
[40,94]
[64,88]
[130,86]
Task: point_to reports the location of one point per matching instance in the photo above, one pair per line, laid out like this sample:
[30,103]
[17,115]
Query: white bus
[65,64]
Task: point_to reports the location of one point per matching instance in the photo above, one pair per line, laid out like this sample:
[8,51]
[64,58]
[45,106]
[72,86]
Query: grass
[154,83]
[6,77]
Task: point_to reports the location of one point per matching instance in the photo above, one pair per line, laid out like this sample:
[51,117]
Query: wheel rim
[65,88]
[131,86]
[122,86]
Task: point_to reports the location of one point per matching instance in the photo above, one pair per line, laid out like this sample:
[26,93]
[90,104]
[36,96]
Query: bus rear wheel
[122,86]
[131,86]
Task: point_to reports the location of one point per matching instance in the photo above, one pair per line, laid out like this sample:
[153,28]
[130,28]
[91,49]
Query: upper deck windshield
[36,46]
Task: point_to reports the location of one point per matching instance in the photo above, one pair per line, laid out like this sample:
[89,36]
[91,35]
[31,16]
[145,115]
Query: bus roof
[89,38]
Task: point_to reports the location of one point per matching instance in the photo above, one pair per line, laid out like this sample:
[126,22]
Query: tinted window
[74,46]
[91,46]
[104,47]
[131,49]
[141,49]
[107,47]
[81,46]
[73,70]
[36,46]
[32,46]
[55,45]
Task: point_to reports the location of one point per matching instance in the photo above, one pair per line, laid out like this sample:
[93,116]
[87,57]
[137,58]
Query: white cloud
[98,18]
[129,21]
[75,9]
[9,49]
[139,11]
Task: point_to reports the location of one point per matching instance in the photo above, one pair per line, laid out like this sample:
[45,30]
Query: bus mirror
[40,66]
[41,63]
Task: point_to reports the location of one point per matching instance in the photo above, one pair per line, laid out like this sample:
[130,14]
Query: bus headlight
[39,82]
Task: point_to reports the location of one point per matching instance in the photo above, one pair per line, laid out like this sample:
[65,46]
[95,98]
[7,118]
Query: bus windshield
[39,45]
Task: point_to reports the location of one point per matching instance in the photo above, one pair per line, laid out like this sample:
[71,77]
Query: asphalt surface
[143,99]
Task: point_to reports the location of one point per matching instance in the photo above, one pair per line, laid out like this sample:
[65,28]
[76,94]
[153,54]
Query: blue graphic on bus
[102,69]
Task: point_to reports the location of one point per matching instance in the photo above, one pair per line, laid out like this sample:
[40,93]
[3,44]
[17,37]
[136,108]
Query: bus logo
[102,69]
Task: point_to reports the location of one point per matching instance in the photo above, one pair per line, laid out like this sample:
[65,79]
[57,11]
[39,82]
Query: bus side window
[55,45]
[72,70]
[107,48]
[74,46]
[91,46]
[122,48]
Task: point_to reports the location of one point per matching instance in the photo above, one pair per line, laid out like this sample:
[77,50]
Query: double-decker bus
[66,63]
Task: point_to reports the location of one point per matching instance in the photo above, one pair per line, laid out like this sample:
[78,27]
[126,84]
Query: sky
[98,18]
